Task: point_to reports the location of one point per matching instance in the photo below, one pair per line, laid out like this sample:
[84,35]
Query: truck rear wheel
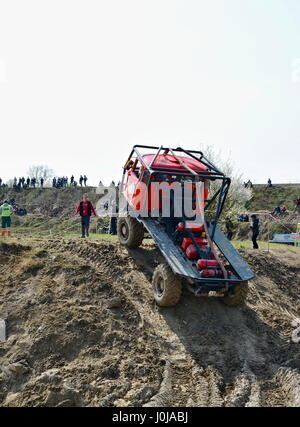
[239,297]
[130,232]
[166,286]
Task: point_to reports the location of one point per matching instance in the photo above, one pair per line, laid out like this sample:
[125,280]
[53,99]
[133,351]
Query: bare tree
[40,171]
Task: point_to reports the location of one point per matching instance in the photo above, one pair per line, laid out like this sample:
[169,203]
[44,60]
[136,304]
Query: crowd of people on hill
[25,183]
[57,182]
[282,210]
[64,181]
[249,184]
[2,184]
[279,210]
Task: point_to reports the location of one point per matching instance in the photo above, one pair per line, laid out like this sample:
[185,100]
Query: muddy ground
[83,330]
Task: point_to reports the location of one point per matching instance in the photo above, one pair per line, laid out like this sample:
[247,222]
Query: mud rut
[214,355]
[204,353]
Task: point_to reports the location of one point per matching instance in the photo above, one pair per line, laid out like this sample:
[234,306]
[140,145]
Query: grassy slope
[267,198]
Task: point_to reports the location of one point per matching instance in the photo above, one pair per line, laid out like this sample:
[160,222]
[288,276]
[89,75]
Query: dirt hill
[53,202]
[83,330]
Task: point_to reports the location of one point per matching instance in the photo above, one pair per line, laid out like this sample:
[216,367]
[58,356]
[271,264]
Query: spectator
[276,211]
[72,180]
[255,230]
[28,182]
[113,218]
[270,183]
[85,209]
[85,180]
[6,212]
[297,205]
[81,180]
[33,182]
[229,228]
[243,218]
[248,184]
[42,182]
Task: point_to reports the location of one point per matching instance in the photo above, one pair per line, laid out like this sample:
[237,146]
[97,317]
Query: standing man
[6,211]
[85,209]
[297,205]
[113,218]
[255,230]
[229,228]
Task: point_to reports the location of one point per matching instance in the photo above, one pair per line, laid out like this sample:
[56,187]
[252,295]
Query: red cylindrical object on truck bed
[193,227]
[206,273]
[191,252]
[229,273]
[188,241]
[205,263]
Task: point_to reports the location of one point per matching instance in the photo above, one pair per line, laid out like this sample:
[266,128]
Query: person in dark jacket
[229,228]
[85,209]
[255,230]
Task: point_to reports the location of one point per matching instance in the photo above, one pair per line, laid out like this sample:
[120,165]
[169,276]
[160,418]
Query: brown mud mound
[83,330]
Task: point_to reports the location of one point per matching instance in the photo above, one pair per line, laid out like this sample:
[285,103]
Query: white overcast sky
[82,81]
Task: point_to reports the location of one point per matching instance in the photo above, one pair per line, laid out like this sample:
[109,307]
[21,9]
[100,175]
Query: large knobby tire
[239,297]
[130,232]
[166,286]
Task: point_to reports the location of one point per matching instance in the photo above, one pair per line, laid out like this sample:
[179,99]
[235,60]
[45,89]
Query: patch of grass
[247,244]
[94,236]
[110,237]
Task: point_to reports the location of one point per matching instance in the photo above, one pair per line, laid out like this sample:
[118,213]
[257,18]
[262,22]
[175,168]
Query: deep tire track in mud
[204,353]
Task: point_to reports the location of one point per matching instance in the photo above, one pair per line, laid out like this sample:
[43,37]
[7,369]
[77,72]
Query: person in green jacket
[6,212]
